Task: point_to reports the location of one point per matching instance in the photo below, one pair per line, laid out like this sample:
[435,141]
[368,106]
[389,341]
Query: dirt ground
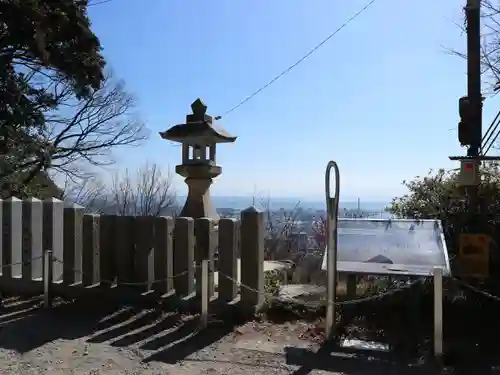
[83,339]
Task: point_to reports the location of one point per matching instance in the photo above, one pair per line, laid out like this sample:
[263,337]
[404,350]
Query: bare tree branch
[278,227]
[89,193]
[490,44]
[319,231]
[148,192]
[90,129]
[78,132]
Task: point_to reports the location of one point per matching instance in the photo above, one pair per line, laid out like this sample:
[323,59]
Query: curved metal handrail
[332,209]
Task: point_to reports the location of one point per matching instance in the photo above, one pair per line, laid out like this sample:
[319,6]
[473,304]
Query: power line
[99,3]
[352,18]
[491,135]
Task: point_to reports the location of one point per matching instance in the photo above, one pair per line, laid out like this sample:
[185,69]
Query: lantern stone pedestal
[198,179]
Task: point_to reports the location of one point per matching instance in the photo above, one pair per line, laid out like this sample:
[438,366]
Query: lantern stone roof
[198,125]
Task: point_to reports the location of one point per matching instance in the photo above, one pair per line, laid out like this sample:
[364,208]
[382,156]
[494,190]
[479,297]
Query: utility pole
[474,95]
[470,133]
[473,17]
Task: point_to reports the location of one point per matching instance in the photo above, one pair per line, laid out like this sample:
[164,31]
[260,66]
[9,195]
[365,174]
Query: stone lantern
[198,138]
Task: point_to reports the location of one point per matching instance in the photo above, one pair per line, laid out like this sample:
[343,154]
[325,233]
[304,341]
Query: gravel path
[74,339]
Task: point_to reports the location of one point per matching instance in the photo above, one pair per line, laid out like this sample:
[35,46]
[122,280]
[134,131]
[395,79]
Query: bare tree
[319,231]
[91,129]
[78,132]
[278,226]
[147,192]
[90,193]
[490,44]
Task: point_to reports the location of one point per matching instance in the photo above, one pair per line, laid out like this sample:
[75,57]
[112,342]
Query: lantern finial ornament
[198,107]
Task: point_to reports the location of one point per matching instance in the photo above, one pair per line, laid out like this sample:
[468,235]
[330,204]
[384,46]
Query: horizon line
[297,198]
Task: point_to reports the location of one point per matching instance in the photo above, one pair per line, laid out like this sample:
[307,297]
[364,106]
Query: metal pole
[204,294]
[473,17]
[332,209]
[48,261]
[438,313]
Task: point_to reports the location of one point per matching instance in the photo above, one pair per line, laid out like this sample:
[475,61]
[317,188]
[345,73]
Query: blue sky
[379,97]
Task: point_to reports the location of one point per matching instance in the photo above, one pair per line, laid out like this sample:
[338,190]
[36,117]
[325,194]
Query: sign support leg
[438,313]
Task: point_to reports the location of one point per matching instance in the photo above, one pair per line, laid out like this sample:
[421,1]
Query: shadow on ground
[332,358]
[167,336]
[404,322]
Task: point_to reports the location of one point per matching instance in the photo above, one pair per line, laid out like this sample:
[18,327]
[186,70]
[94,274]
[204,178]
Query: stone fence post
[252,259]
[229,241]
[184,244]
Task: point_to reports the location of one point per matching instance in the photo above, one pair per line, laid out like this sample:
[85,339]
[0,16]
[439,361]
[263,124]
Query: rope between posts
[375,297]
[22,262]
[270,296]
[138,283]
[476,289]
[379,296]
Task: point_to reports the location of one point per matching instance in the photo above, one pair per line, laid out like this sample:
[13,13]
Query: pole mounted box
[469,173]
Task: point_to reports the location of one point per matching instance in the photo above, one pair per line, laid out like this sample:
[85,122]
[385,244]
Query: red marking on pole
[468,167]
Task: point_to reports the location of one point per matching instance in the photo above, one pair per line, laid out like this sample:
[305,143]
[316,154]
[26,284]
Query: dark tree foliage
[40,186]
[40,41]
[52,34]
[436,196]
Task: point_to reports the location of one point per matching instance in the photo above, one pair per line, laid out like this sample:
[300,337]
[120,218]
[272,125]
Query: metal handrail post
[332,209]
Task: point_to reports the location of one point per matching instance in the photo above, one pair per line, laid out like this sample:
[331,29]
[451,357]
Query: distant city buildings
[302,238]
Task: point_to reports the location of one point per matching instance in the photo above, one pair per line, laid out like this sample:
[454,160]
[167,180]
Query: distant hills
[240,203]
[287,203]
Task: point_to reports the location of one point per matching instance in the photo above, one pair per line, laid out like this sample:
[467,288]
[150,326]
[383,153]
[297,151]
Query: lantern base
[198,202]
[200,171]
[198,179]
